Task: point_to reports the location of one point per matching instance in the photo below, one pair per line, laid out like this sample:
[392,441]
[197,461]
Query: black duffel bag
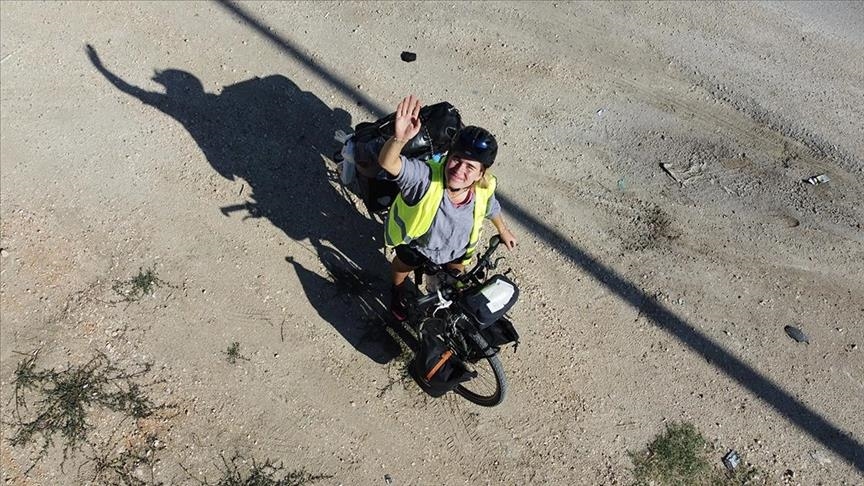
[440,122]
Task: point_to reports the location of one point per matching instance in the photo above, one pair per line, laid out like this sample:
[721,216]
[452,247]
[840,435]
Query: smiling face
[462,173]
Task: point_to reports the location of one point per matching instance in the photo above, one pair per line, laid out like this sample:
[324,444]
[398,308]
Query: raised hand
[507,238]
[407,123]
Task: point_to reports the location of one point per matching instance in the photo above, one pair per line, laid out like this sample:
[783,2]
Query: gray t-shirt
[447,238]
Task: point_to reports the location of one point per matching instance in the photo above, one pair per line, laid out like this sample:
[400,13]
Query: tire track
[743,119]
[780,158]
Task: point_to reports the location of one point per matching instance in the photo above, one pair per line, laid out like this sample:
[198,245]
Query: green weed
[679,457]
[235,472]
[138,286]
[232,354]
[57,403]
[127,466]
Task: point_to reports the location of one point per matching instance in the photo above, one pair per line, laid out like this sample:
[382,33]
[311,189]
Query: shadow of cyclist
[272,134]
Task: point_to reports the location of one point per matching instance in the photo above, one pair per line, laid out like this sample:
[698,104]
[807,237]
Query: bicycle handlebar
[469,277]
[482,263]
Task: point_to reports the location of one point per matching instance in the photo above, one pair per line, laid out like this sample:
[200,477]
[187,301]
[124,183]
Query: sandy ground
[198,144]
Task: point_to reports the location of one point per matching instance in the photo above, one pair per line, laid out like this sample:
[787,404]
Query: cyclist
[441,206]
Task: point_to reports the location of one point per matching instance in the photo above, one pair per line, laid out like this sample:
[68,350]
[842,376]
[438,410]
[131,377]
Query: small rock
[408,56]
[796,334]
[3,252]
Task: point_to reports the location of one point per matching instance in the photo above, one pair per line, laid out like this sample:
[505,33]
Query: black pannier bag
[490,302]
[500,333]
[440,122]
[437,369]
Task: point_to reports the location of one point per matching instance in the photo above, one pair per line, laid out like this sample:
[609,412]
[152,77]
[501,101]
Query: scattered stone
[821,457]
[3,252]
[408,56]
[796,334]
[789,221]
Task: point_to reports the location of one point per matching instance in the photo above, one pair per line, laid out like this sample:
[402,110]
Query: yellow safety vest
[406,223]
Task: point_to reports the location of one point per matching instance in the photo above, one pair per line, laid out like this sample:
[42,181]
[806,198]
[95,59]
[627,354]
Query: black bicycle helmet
[475,143]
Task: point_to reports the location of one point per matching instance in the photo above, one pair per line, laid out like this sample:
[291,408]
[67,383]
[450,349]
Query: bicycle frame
[457,327]
[450,288]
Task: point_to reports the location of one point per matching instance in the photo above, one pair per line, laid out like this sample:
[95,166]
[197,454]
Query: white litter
[820,179]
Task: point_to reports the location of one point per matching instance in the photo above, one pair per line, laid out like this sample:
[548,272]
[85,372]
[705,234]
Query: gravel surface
[652,165]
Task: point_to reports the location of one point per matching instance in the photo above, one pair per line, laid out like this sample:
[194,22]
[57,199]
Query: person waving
[439,211]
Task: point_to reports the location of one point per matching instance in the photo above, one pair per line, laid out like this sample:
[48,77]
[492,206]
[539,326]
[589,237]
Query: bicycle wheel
[490,386]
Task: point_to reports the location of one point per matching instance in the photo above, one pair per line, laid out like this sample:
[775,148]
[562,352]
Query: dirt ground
[652,166]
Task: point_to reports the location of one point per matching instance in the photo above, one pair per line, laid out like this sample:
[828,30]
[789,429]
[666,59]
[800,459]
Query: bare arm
[506,236]
[406,126]
[389,158]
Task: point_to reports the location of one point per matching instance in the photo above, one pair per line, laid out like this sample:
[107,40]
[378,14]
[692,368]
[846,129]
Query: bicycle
[454,314]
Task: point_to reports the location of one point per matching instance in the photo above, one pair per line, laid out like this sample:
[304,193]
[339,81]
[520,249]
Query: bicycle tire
[468,390]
